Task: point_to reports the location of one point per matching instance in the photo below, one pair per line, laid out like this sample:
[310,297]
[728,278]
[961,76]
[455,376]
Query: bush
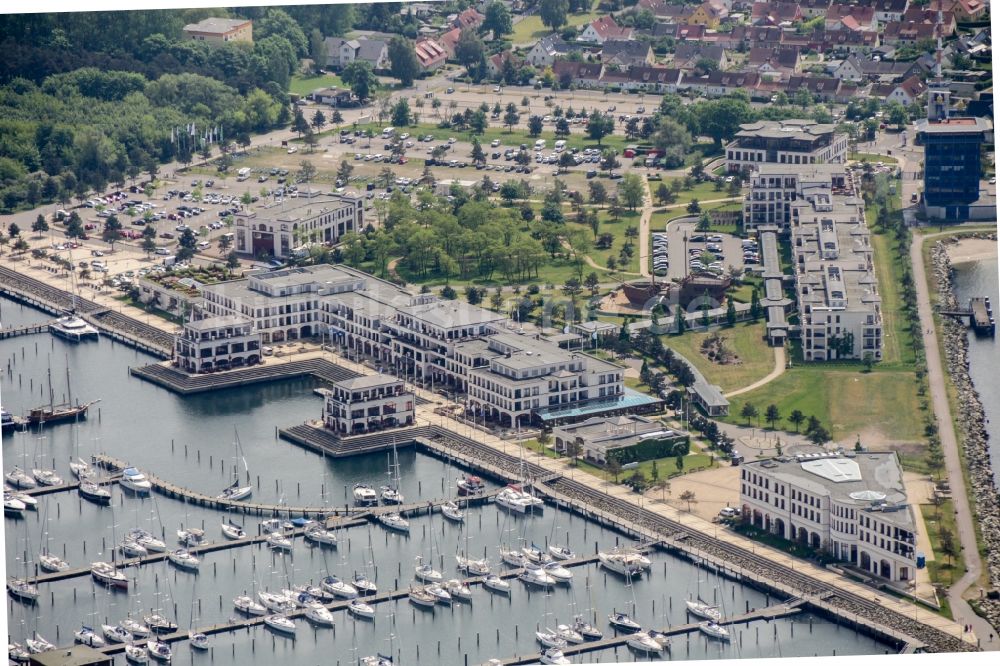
[652,449]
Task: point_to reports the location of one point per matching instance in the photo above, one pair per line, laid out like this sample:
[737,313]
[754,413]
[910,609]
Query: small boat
[554,656]
[199,641]
[12,506]
[620,563]
[134,480]
[441,595]
[280,623]
[587,630]
[569,634]
[106,574]
[159,650]
[231,530]
[235,492]
[316,533]
[513,498]
[359,608]
[53,563]
[339,588]
[47,477]
[550,639]
[470,485]
[473,567]
[191,536]
[704,610]
[116,634]
[137,629]
[376,660]
[391,495]
[561,552]
[514,558]
[714,630]
[314,591]
[183,559]
[147,540]
[365,495]
[643,641]
[158,624]
[245,604]
[94,492]
[36,644]
[27,500]
[17,654]
[639,558]
[558,571]
[273,525]
[496,583]
[451,511]
[427,573]
[319,615]
[394,521]
[533,574]
[130,548]
[80,468]
[458,590]
[536,555]
[303,599]
[20,479]
[363,585]
[86,636]
[58,413]
[73,328]
[22,590]
[624,622]
[276,603]
[136,654]
[278,541]
[421,597]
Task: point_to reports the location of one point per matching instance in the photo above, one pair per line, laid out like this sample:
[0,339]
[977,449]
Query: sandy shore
[972,249]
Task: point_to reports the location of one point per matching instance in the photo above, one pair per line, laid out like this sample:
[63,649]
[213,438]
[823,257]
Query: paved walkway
[779,369]
[644,219]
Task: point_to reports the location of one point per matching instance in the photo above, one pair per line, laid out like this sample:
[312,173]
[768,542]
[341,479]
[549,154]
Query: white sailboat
[236,492]
[390,494]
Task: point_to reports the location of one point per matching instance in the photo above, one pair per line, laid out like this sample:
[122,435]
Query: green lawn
[846,401]
[897,345]
[608,225]
[943,570]
[872,157]
[303,85]
[746,341]
[531,29]
[666,467]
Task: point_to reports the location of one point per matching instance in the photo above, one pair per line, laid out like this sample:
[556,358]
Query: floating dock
[979,315]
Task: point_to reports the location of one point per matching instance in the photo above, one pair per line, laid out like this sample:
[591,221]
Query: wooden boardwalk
[31,329]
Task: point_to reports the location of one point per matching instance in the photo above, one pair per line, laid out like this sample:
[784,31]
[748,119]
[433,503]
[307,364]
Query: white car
[451,140]
[494,143]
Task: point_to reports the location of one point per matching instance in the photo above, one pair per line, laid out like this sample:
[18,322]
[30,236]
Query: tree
[631,190]
[225,244]
[359,76]
[680,323]
[566,161]
[553,13]
[307,171]
[232,261]
[112,231]
[401,113]
[748,412]
[772,414]
[469,49]
[720,119]
[40,225]
[478,155]
[74,226]
[664,194]
[20,245]
[344,171]
[186,245]
[599,126]
[14,231]
[317,50]
[613,466]
[148,240]
[797,417]
[511,117]
[869,361]
[299,123]
[756,309]
[574,450]
[535,126]
[819,436]
[403,60]
[694,207]
[730,311]
[946,541]
[598,193]
[318,121]
[593,283]
[679,462]
[688,496]
[498,20]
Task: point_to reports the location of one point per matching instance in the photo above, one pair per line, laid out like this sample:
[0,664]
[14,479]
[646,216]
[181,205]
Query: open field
[530,29]
[303,85]
[746,341]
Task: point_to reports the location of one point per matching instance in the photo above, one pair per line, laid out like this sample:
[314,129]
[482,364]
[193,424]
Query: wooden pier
[31,329]
[979,315]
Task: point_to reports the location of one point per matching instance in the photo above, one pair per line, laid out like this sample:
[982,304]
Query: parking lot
[680,251]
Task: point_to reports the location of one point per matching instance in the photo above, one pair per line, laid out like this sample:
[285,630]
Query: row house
[687,55]
[775,63]
[856,68]
[825,89]
[850,17]
[654,79]
[810,9]
[775,13]
[665,10]
[626,53]
[767,36]
[843,41]
[907,32]
[930,15]
[886,10]
[717,84]
[580,74]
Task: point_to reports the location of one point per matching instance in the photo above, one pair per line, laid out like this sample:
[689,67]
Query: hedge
[652,449]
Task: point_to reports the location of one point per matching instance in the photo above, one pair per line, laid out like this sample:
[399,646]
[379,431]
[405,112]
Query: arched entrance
[884,569]
[866,561]
[779,527]
[815,541]
[803,536]
[306,332]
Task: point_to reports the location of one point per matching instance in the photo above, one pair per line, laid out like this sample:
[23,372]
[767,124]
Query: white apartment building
[277,229]
[852,506]
[367,404]
[775,187]
[216,343]
[786,142]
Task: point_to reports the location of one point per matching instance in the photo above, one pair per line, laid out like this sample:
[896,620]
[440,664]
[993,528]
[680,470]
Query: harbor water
[190,442]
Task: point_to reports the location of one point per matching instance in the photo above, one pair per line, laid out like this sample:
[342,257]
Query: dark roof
[896,6]
[661,75]
[786,57]
[629,48]
[577,70]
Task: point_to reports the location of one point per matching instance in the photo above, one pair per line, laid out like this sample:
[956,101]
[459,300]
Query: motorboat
[80,468]
[184,559]
[473,567]
[106,574]
[47,477]
[17,654]
[643,641]
[569,634]
[278,541]
[136,654]
[458,590]
[147,540]
[470,485]
[451,511]
[52,563]
[199,641]
[427,573]
[364,585]
[714,630]
[273,525]
[621,621]
[359,608]
[704,611]
[159,650]
[319,615]
[134,627]
[558,571]
[233,531]
[496,583]
[376,660]
[419,596]
[561,553]
[87,636]
[20,479]
[515,499]
[394,521]
[116,634]
[134,480]
[316,533]
[94,492]
[8,421]
[159,624]
[550,639]
[441,595]
[235,492]
[12,506]
[22,590]
[554,656]
[73,328]
[27,500]
[245,604]
[390,495]
[276,603]
[37,644]
[339,588]
[314,591]
[365,495]
[533,574]
[514,558]
[586,629]
[280,623]
[535,554]
[620,563]
[130,548]
[303,599]
[639,558]
[191,536]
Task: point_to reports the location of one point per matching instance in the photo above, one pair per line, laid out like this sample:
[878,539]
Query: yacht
[647,642]
[363,585]
[199,641]
[191,536]
[359,608]
[280,623]
[94,492]
[536,555]
[427,573]
[376,660]
[314,591]
[586,629]
[514,558]
[88,637]
[391,495]
[561,553]
[421,597]
[8,421]
[47,477]
[339,588]
[451,511]
[639,558]
[276,603]
[17,654]
[159,650]
[134,480]
[512,500]
[27,500]
[11,505]
[620,563]
[316,533]
[470,485]
[303,599]
[458,590]
[550,639]
[135,654]
[554,656]
[73,328]
[569,634]
[183,559]
[231,530]
[80,468]
[704,611]
[441,595]
[245,604]
[278,541]
[558,571]
[147,540]
[130,548]
[106,574]
[319,615]
[52,563]
[235,492]
[714,630]
[22,590]
[473,567]
[158,624]
[116,634]
[19,479]
[623,622]
[496,583]
[365,495]
[394,521]
[137,629]
[533,574]
[37,644]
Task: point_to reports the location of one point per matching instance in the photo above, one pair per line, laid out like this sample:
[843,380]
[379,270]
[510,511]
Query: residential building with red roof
[430,54]
[604,28]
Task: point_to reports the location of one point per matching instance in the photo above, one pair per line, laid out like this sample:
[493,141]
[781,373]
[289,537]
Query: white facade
[277,229]
[216,343]
[368,404]
[775,187]
[786,142]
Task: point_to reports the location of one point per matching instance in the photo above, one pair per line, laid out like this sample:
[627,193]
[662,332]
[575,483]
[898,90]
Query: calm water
[980,278]
[190,441]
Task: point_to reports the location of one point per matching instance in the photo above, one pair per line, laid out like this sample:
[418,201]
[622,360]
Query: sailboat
[23,589]
[58,413]
[232,530]
[235,491]
[390,494]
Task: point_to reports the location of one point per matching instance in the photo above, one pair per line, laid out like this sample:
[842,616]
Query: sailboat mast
[69,387]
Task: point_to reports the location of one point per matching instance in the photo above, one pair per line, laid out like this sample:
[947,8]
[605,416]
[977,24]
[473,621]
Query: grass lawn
[897,345]
[666,467]
[872,157]
[303,85]
[617,229]
[846,401]
[937,519]
[531,29]
[757,359]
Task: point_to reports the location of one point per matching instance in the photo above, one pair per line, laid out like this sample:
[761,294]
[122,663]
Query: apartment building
[852,506]
[786,142]
[277,229]
[368,404]
[216,343]
[220,30]
[774,187]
